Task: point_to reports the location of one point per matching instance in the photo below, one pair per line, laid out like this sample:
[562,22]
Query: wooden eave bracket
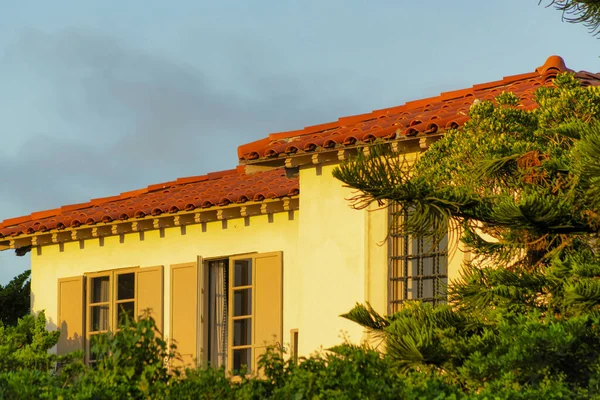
[198,216]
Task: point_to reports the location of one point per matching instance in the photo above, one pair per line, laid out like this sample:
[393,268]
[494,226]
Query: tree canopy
[15,299]
[520,189]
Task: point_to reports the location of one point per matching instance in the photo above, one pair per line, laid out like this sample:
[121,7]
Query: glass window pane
[414,246]
[125,310]
[429,265]
[242,274]
[413,267]
[126,286]
[99,318]
[100,289]
[242,302]
[444,264]
[428,292]
[242,332]
[242,361]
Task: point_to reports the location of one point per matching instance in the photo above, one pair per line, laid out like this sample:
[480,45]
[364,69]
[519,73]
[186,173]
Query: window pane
[413,267]
[125,310]
[429,265]
[242,332]
[242,361]
[414,246]
[428,292]
[444,265]
[242,302]
[100,289]
[99,318]
[242,275]
[126,286]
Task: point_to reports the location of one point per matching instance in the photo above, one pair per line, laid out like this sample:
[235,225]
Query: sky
[102,97]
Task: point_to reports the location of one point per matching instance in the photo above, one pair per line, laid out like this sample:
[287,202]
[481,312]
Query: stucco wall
[334,256]
[174,248]
[331,249]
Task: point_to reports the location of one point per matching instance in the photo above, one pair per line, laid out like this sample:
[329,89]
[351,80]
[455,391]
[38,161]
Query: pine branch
[586,12]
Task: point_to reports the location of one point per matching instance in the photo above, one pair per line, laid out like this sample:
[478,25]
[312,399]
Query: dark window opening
[418,269]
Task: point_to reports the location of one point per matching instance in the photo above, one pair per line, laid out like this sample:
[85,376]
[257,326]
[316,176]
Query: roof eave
[147,223]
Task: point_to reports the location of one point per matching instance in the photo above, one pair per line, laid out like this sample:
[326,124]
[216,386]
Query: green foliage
[26,345]
[521,189]
[131,366]
[519,186]
[15,299]
[131,371]
[586,12]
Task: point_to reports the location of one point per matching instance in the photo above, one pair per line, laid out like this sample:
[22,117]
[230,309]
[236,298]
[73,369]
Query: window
[111,299]
[240,315]
[110,296]
[226,311]
[418,269]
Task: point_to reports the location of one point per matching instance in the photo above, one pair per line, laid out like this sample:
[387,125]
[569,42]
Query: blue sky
[98,98]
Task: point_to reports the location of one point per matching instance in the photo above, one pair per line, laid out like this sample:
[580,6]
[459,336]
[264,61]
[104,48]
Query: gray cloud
[132,117]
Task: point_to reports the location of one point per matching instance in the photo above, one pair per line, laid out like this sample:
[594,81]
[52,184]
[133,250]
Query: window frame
[112,303]
[231,348]
[399,274]
[116,301]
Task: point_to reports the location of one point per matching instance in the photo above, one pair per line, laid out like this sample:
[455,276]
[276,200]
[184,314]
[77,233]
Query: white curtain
[218,276]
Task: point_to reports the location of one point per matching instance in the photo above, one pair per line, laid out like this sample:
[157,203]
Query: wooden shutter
[149,294]
[184,309]
[268,302]
[71,314]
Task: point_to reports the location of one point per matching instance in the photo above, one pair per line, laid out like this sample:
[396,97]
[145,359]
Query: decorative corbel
[343,154]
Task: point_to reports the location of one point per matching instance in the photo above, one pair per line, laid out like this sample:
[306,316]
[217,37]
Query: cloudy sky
[101,97]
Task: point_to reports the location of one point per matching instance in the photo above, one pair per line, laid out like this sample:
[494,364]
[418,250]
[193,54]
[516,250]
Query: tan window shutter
[184,311]
[71,319]
[150,294]
[268,302]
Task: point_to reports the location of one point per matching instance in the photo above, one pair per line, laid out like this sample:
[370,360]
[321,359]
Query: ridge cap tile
[9,222]
[45,213]
[75,207]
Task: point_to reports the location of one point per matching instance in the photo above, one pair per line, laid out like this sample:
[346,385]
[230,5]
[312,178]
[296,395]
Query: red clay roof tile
[214,189]
[419,117]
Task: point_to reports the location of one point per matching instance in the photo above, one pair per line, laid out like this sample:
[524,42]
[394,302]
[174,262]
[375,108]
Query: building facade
[269,253]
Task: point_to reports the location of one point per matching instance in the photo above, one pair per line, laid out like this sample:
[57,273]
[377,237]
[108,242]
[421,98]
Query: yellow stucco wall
[331,246]
[334,256]
[174,248]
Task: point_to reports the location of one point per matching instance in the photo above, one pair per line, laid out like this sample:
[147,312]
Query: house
[267,253]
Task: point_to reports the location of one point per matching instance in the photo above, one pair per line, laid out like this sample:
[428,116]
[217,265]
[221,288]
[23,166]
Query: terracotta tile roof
[184,194]
[415,118]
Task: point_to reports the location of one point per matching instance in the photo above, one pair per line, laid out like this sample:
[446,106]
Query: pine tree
[521,190]
[586,12]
